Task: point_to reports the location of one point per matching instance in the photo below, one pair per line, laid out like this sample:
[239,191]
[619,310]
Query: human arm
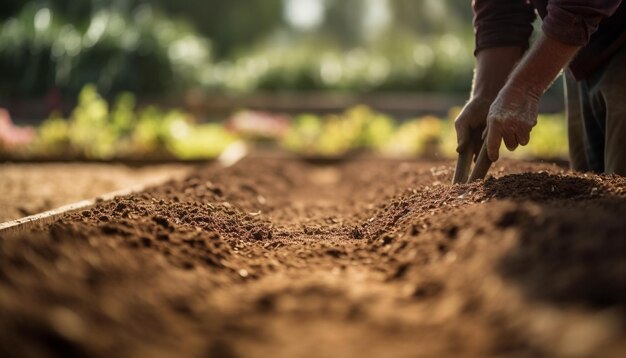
[567,27]
[493,66]
[514,112]
[502,30]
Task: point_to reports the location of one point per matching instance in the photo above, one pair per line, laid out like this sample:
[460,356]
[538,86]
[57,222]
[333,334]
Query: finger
[483,138]
[494,138]
[462,136]
[523,138]
[510,141]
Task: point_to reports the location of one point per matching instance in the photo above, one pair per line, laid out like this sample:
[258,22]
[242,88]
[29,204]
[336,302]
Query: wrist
[482,100]
[541,66]
[485,96]
[493,68]
[525,88]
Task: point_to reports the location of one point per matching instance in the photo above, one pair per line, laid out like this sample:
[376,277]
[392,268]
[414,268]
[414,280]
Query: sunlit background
[186,78]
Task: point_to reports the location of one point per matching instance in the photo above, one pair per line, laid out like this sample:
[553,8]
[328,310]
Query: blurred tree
[117,45]
[232,24]
[10,8]
[343,19]
[77,11]
[156,46]
[433,16]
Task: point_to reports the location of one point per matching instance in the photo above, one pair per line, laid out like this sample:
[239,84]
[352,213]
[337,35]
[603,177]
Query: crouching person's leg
[575,131]
[613,88]
[593,114]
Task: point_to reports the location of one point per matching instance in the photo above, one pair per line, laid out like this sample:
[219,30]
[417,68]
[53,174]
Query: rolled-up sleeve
[500,23]
[574,21]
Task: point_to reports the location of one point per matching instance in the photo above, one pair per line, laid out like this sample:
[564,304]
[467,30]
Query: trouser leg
[575,132]
[612,87]
[602,111]
[593,113]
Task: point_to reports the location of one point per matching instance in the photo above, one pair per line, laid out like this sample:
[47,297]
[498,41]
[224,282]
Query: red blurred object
[12,136]
[53,100]
[257,124]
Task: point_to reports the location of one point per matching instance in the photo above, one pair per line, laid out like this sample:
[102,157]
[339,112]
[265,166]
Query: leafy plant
[95,132]
[336,135]
[119,48]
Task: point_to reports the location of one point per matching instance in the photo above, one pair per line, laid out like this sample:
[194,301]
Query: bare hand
[471,121]
[511,118]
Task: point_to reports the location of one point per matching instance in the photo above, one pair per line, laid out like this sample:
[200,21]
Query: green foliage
[418,137]
[548,138]
[118,49]
[401,61]
[95,132]
[134,46]
[231,24]
[149,134]
[90,130]
[123,116]
[198,142]
[436,137]
[378,131]
[53,136]
[336,135]
[427,136]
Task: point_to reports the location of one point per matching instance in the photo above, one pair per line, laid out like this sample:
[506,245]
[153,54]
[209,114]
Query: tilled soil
[367,258]
[29,189]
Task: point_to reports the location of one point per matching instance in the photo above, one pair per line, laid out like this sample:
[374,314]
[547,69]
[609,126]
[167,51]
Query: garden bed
[31,187]
[278,257]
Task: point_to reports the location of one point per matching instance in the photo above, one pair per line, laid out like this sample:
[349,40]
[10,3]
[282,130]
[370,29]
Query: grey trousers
[596,116]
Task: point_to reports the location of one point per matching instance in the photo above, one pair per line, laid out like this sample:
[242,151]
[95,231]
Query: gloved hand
[511,118]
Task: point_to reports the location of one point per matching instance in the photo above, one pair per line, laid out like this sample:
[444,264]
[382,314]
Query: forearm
[514,112]
[566,28]
[540,67]
[493,67]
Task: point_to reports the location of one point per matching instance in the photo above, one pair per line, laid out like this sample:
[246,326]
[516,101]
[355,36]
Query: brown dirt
[28,189]
[366,258]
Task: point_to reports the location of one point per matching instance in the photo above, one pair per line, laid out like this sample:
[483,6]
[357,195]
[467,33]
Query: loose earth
[366,258]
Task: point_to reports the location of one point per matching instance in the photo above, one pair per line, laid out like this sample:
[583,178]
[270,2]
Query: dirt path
[367,258]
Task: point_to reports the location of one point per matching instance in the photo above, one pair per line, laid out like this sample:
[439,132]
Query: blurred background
[128,76]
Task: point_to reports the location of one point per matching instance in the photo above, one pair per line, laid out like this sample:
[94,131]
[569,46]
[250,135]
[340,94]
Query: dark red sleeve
[574,21]
[500,23]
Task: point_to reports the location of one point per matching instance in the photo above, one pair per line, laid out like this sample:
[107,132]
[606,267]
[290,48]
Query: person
[587,38]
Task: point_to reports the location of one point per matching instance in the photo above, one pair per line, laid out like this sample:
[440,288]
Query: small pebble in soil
[161,221]
[257,235]
[357,233]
